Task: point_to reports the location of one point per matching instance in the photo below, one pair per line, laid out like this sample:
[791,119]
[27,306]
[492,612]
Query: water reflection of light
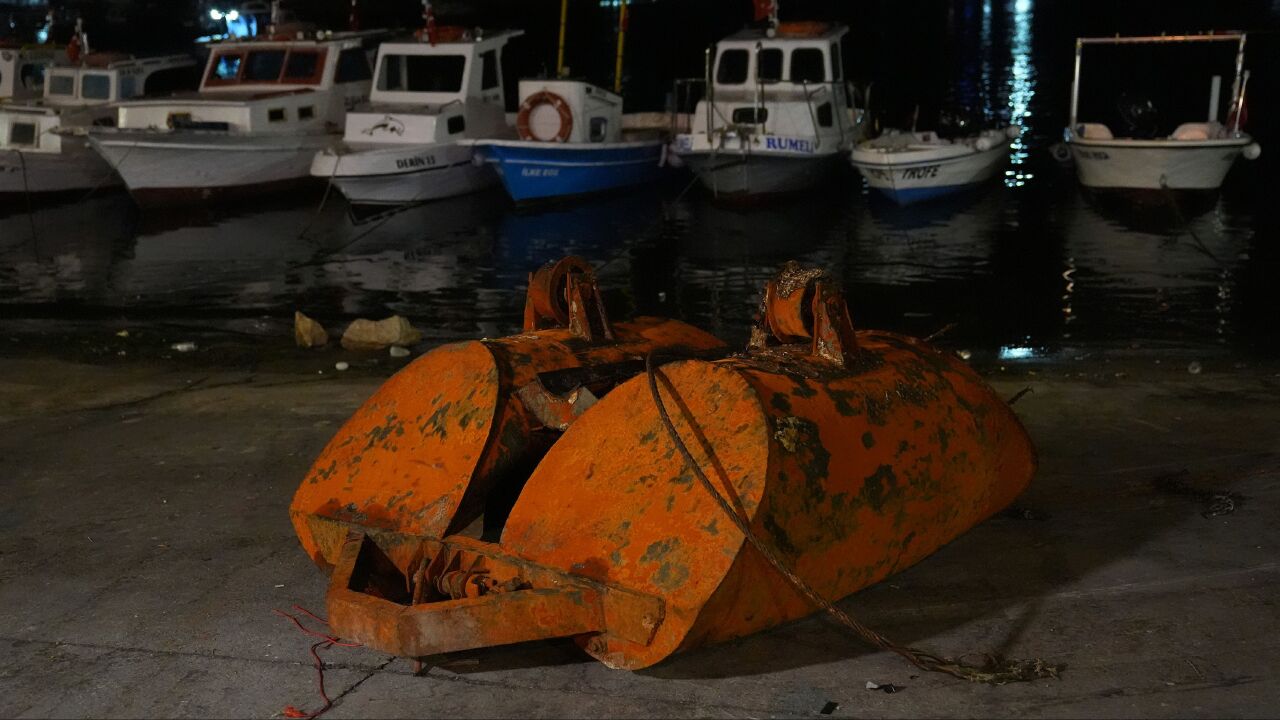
[1022,83]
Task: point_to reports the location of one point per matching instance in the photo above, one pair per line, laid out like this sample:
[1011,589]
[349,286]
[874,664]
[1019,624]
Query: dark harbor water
[1025,268]
[1033,269]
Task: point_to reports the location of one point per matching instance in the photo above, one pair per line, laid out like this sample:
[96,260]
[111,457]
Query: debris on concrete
[829,708]
[307,332]
[123,334]
[377,334]
[183,346]
[886,688]
[964,354]
[341,365]
[1194,367]
[399,352]
[1215,502]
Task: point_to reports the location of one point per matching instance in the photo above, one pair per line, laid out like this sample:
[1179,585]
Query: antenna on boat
[428,22]
[564,19]
[353,22]
[622,34]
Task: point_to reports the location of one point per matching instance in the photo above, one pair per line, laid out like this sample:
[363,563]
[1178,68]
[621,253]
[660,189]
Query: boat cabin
[22,71]
[797,56]
[432,92]
[568,111]
[787,81]
[268,84]
[101,79]
[29,129]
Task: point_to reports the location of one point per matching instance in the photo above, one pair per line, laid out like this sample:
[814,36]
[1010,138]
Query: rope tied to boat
[992,669]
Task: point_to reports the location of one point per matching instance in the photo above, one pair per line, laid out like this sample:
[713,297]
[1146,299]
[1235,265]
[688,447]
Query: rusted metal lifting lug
[806,304]
[364,603]
[564,294]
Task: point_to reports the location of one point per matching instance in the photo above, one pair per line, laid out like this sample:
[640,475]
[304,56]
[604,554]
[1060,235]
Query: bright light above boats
[233,15]
[1022,6]
[215,14]
[1014,352]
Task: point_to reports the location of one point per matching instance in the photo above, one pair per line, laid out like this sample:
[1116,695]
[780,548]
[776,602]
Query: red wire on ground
[326,641]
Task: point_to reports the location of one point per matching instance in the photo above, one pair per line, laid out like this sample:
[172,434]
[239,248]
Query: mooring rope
[995,670]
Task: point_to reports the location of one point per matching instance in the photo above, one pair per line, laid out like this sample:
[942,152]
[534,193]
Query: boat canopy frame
[1237,85]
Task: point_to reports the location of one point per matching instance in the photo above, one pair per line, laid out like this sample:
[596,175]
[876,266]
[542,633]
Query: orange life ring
[544,97]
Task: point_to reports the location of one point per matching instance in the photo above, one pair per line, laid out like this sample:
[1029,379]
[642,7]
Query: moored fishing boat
[45,138]
[429,94]
[572,144]
[908,167]
[1194,156]
[775,117]
[571,141]
[264,108]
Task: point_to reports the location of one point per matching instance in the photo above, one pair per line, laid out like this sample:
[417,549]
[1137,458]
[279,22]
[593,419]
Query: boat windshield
[422,73]
[289,66]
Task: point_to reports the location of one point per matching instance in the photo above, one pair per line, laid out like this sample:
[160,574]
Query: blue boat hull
[909,196]
[546,171]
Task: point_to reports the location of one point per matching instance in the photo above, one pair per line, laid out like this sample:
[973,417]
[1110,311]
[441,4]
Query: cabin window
[456,124]
[825,115]
[808,65]
[263,66]
[95,86]
[301,66]
[22,134]
[225,68]
[732,68]
[422,73]
[599,128]
[489,70]
[750,116]
[62,85]
[306,113]
[837,71]
[275,115]
[31,75]
[353,66]
[769,65]
[127,86]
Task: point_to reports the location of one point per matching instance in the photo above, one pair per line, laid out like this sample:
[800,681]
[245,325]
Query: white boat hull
[907,180]
[163,168]
[734,175]
[1155,165]
[74,167]
[403,174]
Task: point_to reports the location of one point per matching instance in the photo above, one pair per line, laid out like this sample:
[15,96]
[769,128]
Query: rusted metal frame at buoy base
[462,594]
[564,294]
[806,304]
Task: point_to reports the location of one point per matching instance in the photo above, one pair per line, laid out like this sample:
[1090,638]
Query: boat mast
[1237,85]
[564,18]
[1075,87]
[622,33]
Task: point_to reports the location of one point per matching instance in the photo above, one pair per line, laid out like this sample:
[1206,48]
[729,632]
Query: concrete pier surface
[144,542]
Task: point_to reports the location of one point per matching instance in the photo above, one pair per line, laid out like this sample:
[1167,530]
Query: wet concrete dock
[144,542]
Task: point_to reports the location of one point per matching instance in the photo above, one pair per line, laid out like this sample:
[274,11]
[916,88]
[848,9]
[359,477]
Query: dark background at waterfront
[1029,265]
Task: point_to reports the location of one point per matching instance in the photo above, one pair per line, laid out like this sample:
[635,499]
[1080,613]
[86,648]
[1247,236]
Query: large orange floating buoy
[452,436]
[848,455]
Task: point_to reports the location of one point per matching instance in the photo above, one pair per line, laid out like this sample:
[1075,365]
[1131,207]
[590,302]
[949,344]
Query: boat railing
[688,92]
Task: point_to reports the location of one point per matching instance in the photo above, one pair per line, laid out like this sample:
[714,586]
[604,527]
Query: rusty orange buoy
[453,435]
[851,454]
